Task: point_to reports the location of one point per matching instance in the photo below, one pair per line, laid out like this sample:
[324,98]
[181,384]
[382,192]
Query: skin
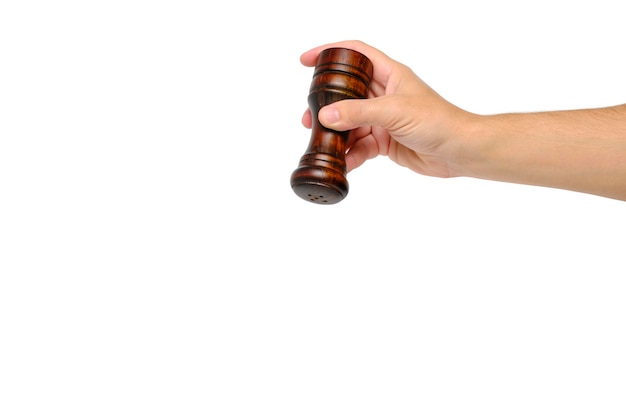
[406,120]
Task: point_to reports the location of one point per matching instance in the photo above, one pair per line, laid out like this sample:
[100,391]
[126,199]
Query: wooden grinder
[340,74]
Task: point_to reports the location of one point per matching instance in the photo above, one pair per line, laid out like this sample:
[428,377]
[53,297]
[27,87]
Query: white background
[155,262]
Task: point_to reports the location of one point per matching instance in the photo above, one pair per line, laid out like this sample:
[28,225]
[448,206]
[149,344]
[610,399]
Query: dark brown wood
[340,74]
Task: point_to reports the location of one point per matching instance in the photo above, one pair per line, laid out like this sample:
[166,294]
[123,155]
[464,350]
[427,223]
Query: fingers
[310,57]
[363,149]
[307,119]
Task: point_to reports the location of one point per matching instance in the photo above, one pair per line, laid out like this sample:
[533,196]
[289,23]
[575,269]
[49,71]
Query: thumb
[352,113]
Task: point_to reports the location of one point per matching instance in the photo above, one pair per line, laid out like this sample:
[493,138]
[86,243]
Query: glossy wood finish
[340,74]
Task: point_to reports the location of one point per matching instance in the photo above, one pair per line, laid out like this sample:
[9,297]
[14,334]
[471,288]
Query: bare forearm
[578,150]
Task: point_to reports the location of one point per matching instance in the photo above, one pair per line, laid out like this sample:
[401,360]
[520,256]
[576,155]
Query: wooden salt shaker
[340,74]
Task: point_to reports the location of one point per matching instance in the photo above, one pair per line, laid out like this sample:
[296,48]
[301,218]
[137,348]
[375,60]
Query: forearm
[578,150]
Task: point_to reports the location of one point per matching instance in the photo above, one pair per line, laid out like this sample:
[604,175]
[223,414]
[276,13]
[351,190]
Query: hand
[403,118]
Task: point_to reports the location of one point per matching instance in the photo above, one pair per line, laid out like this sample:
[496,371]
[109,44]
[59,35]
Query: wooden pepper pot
[340,74]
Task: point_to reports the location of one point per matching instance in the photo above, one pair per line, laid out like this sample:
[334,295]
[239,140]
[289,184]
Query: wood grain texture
[340,74]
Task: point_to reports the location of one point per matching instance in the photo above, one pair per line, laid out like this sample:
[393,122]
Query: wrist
[470,156]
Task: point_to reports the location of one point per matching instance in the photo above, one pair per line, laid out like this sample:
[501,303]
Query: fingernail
[329,115]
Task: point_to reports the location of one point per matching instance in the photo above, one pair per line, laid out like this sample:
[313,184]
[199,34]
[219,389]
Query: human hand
[403,118]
